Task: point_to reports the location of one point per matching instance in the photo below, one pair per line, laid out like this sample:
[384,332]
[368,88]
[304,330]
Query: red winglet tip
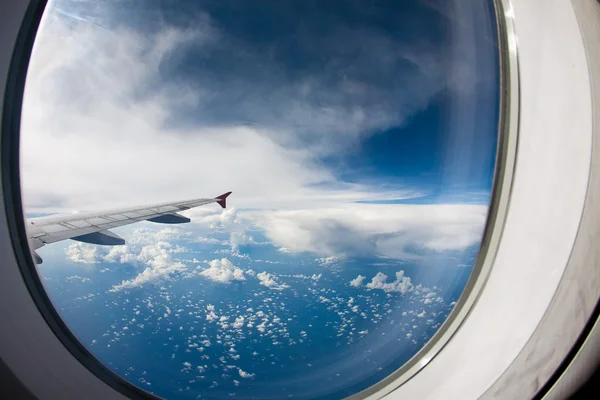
[222,199]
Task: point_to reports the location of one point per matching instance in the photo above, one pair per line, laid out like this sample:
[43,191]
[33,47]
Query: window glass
[358,138]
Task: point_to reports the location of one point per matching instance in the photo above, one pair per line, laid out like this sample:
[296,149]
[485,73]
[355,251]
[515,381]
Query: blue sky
[389,96]
[356,50]
[365,130]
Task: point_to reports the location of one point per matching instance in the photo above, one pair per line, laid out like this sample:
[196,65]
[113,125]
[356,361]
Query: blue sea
[313,336]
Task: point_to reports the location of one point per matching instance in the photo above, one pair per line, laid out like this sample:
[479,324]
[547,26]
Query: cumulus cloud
[145,236]
[326,261]
[239,322]
[223,271]
[270,281]
[245,374]
[80,253]
[146,248]
[358,281]
[401,284]
[159,270]
[119,254]
[142,245]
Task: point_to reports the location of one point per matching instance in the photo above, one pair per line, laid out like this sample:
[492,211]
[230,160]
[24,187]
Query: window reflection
[359,142]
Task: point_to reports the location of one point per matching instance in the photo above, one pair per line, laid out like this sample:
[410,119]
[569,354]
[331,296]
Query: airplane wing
[93,227]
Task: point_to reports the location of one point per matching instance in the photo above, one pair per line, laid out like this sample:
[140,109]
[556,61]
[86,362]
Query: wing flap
[106,238]
[170,219]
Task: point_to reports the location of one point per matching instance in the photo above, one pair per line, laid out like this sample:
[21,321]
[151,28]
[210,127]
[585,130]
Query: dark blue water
[314,339]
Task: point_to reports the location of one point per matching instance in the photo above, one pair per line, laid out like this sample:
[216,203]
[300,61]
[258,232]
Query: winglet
[222,199]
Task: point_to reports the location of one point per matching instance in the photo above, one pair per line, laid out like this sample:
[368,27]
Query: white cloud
[386,230]
[80,253]
[223,271]
[402,284]
[358,281]
[314,277]
[78,278]
[245,374]
[103,100]
[211,316]
[145,236]
[326,261]
[142,245]
[145,247]
[239,322]
[156,272]
[121,254]
[270,281]
[160,265]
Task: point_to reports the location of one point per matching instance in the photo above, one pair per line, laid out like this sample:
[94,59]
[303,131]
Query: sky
[306,111]
[355,134]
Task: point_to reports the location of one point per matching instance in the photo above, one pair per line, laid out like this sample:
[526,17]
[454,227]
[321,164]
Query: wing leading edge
[94,227]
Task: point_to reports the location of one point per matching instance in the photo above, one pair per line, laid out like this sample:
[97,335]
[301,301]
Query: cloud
[228,221]
[386,230]
[314,277]
[245,374]
[270,281]
[120,254]
[211,316]
[85,254]
[402,284]
[78,278]
[239,322]
[326,261]
[156,257]
[145,236]
[76,92]
[102,92]
[158,271]
[223,271]
[358,281]
[145,247]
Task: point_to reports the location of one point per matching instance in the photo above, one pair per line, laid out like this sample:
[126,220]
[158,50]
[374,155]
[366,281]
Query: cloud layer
[115,98]
[397,231]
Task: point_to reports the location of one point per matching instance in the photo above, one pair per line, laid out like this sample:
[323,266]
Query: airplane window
[359,141]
